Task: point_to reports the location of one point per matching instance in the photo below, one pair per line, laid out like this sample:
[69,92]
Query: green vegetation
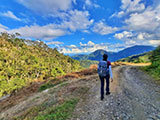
[87,63]
[154,68]
[48,85]
[48,111]
[61,112]
[24,61]
[153,57]
[53,109]
[141,58]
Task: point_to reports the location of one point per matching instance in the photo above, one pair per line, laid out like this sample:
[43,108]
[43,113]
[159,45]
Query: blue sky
[83,26]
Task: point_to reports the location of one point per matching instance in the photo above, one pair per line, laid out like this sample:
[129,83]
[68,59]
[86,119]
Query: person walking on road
[105,73]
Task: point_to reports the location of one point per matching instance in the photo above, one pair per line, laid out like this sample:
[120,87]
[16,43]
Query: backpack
[102,69]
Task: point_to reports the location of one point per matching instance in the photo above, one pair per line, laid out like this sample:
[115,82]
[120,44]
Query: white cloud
[146,24]
[70,51]
[55,43]
[140,36]
[121,13]
[137,38]
[86,31]
[89,44]
[10,14]
[72,46]
[103,29]
[123,35]
[155,42]
[70,20]
[47,6]
[105,46]
[82,38]
[141,28]
[3,28]
[40,32]
[130,6]
[68,47]
[145,21]
[84,48]
[77,20]
[75,2]
[89,3]
[119,35]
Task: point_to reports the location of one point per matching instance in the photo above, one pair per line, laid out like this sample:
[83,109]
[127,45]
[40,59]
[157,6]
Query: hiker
[105,72]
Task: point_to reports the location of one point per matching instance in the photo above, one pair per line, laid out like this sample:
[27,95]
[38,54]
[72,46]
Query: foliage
[141,58]
[154,68]
[152,56]
[24,61]
[87,63]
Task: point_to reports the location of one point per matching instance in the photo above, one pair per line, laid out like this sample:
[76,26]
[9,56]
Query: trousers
[102,84]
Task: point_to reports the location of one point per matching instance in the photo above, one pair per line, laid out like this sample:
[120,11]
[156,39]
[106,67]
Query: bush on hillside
[24,61]
[154,68]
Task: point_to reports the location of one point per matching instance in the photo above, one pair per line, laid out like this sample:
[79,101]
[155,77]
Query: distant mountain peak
[113,56]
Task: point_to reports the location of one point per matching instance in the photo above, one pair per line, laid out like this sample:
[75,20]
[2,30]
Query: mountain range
[114,56]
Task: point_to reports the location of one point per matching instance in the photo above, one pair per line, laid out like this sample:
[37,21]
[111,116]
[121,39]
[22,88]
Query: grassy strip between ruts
[44,112]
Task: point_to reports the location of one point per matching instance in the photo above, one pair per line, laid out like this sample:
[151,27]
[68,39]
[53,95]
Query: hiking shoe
[107,93]
[102,98]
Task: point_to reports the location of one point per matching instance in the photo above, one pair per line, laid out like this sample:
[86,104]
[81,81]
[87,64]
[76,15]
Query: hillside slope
[154,68]
[152,57]
[24,61]
[138,49]
[141,58]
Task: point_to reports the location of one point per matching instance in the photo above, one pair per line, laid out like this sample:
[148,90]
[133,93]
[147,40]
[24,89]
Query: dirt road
[134,96]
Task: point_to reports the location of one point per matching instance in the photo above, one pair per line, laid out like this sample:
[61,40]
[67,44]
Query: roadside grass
[47,85]
[154,68]
[48,111]
[53,82]
[51,110]
[154,72]
[60,112]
